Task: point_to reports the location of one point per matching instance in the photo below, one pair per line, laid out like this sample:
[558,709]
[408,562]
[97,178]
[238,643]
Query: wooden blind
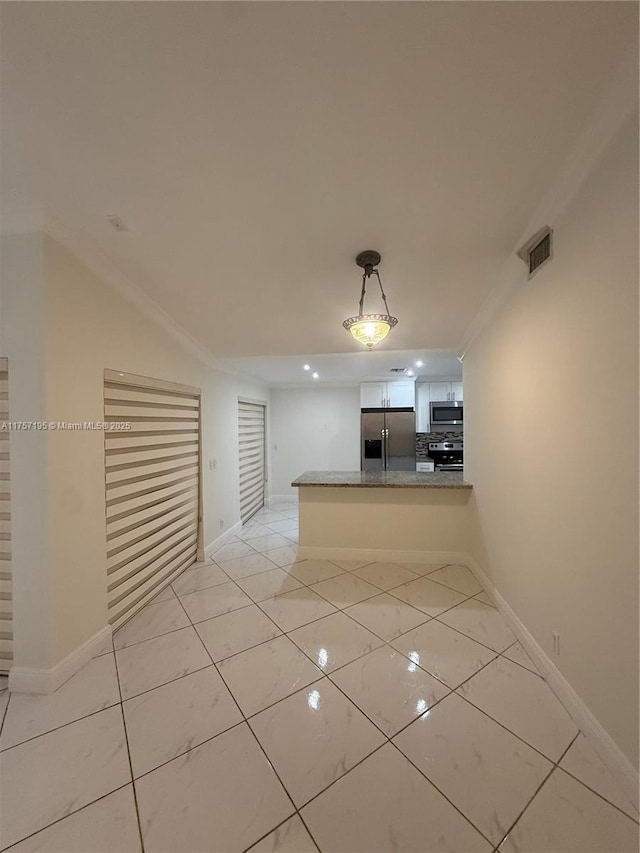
[152,491]
[251,417]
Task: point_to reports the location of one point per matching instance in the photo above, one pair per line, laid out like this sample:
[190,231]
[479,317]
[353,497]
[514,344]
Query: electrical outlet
[556,643]
[221,524]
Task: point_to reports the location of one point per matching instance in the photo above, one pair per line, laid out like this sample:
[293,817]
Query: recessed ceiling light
[315,376]
[419,363]
[307,367]
[409,372]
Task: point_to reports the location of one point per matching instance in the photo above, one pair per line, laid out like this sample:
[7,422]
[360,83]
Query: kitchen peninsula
[386,515]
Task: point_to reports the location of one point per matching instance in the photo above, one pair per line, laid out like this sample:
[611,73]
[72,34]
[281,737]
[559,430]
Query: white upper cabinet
[373,395]
[401,394]
[436,392]
[440,392]
[385,395]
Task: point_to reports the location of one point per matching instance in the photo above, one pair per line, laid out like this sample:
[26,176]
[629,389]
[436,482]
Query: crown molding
[619,103]
[99,264]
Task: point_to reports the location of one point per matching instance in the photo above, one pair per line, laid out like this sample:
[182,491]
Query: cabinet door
[373,395]
[401,394]
[456,391]
[439,391]
[422,407]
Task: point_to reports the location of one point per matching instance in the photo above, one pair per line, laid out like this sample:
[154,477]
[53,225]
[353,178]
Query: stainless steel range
[447,455]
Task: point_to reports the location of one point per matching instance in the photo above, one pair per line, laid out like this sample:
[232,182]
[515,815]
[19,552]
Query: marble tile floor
[268,703]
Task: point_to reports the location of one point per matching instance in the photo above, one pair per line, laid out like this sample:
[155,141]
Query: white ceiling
[347,368]
[253,149]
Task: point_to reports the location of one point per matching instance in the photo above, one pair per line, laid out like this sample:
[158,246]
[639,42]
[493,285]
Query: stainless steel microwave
[447,413]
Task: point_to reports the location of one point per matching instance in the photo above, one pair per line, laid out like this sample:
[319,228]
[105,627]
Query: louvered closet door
[6,615]
[152,490]
[252,457]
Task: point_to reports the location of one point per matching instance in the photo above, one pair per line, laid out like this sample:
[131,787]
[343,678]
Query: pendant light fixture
[370,329]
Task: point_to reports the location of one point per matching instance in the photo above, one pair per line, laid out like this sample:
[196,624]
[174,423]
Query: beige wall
[551,445]
[313,429]
[89,326]
[24,342]
[394,520]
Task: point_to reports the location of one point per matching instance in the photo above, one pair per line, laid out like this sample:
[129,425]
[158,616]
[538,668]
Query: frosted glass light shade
[370,329]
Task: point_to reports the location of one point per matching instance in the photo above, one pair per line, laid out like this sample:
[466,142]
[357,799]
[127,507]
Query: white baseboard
[276,499]
[25,679]
[220,540]
[608,750]
[389,555]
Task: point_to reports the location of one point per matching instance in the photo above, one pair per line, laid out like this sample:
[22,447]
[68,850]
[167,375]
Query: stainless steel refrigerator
[388,440]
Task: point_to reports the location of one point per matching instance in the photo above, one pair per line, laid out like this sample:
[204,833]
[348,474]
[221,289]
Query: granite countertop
[383,479]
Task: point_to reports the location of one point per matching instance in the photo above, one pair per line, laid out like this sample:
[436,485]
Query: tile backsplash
[423,439]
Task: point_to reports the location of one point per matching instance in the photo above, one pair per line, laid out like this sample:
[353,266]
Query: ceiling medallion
[370,329]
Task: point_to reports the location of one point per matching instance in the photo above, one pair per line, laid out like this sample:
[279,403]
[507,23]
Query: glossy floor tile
[157,661]
[313,571]
[92,689]
[268,584]
[234,632]
[334,641]
[517,654]
[566,817]
[48,777]
[390,689]
[446,654]
[173,718]
[221,796]
[313,737]
[289,837]
[468,757]
[386,804]
[385,575]
[285,555]
[582,762]
[386,616]
[459,578]
[267,673]
[108,825]
[152,621]
[267,703]
[523,703]
[481,622]
[291,610]
[214,601]
[345,589]
[426,595]
[196,579]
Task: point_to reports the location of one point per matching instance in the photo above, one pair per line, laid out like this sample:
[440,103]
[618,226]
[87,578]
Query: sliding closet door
[152,488]
[251,418]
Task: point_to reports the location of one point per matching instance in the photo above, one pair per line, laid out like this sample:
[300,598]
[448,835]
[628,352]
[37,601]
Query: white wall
[314,429]
[89,326]
[551,445]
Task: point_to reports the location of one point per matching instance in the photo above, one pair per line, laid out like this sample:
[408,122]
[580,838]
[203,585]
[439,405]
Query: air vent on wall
[537,250]
[397,370]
